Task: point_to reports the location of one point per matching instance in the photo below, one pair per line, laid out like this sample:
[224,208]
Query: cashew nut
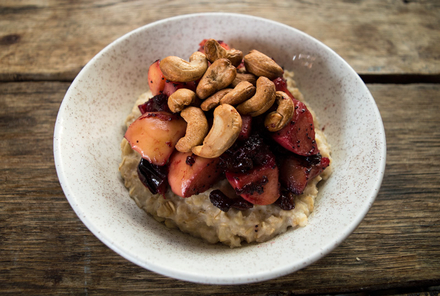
[180,99]
[218,76]
[260,64]
[179,70]
[262,100]
[242,69]
[214,51]
[278,119]
[214,100]
[196,129]
[243,91]
[243,77]
[224,131]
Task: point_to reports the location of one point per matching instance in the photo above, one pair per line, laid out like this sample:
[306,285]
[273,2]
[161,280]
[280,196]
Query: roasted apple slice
[154,135]
[171,87]
[259,185]
[190,174]
[298,135]
[281,85]
[297,171]
[156,80]
[245,127]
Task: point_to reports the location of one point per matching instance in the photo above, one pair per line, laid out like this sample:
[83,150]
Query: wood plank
[45,248]
[58,38]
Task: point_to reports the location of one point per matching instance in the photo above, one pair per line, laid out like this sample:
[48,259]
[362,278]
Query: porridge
[245,177]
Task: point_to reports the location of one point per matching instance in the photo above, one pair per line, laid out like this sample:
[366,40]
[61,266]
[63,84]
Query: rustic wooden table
[394,45]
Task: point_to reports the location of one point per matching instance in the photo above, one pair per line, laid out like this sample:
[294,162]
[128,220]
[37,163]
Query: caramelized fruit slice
[296,171]
[259,185]
[245,127]
[156,80]
[281,85]
[171,87]
[298,135]
[154,135]
[190,174]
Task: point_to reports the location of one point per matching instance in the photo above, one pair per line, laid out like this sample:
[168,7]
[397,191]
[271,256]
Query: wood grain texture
[53,40]
[45,248]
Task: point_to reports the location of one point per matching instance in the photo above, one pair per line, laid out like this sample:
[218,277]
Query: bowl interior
[89,129]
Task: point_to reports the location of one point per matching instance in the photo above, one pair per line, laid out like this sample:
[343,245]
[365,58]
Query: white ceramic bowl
[89,129]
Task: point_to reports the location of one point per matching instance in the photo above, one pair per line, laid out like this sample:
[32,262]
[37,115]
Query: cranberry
[224,203]
[190,160]
[154,177]
[244,156]
[155,104]
[286,201]
[220,200]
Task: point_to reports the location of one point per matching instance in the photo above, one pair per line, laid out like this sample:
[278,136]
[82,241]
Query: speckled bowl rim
[191,275]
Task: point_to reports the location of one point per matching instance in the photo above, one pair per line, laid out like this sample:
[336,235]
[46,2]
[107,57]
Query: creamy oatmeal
[198,216]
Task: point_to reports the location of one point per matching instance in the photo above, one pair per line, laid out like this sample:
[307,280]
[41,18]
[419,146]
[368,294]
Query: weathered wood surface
[46,249]
[53,40]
